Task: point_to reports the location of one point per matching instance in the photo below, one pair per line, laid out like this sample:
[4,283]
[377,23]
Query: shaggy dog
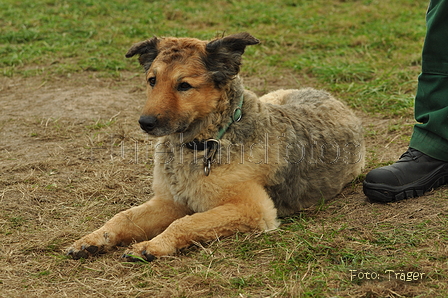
[227,161]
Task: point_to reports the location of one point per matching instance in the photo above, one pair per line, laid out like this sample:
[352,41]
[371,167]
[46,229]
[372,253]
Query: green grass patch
[368,52]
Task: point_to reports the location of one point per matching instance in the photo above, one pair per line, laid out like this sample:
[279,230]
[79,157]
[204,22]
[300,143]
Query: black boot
[411,176]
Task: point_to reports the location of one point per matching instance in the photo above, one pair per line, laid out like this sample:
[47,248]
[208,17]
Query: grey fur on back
[315,145]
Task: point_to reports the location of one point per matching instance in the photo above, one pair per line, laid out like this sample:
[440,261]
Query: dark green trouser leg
[431,102]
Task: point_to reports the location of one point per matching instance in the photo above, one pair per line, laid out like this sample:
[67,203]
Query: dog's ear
[147,50]
[233,43]
[223,56]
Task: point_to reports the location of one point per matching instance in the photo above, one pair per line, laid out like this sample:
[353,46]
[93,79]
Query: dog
[230,162]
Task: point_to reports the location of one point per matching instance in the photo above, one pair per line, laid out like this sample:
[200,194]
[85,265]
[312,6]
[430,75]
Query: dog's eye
[184,86]
[152,81]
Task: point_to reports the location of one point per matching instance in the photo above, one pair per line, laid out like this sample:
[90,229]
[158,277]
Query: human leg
[425,165]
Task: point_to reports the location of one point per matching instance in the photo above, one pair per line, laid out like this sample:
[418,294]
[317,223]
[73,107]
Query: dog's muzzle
[148,123]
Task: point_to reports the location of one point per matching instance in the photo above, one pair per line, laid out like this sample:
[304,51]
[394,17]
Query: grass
[63,176]
[359,49]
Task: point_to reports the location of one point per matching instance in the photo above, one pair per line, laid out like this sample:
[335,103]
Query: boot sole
[386,193]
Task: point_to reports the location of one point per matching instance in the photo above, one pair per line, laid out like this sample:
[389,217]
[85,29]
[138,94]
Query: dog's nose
[147,123]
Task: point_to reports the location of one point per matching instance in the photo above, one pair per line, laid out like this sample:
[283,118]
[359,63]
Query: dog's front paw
[143,256]
[144,252]
[90,245]
[83,252]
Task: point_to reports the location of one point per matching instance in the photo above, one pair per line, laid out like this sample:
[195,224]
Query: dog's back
[322,152]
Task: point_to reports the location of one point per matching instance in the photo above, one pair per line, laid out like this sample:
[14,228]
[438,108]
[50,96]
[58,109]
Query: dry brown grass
[64,171]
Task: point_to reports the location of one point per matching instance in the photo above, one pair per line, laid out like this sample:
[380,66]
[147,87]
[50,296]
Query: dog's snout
[148,123]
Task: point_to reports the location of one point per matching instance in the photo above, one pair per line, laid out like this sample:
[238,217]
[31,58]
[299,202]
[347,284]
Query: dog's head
[186,78]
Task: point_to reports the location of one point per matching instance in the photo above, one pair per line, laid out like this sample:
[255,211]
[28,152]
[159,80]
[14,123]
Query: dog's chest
[182,176]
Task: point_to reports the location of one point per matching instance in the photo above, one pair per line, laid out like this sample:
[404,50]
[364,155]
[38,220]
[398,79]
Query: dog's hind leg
[249,209]
[133,225]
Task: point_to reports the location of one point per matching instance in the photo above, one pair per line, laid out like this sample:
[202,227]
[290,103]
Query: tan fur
[290,150]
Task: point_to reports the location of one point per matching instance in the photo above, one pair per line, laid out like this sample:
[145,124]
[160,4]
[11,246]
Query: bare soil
[72,155]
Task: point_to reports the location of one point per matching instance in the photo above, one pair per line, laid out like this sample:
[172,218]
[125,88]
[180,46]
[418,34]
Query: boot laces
[411,154]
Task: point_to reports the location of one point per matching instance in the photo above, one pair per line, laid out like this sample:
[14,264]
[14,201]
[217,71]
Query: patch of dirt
[72,155]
